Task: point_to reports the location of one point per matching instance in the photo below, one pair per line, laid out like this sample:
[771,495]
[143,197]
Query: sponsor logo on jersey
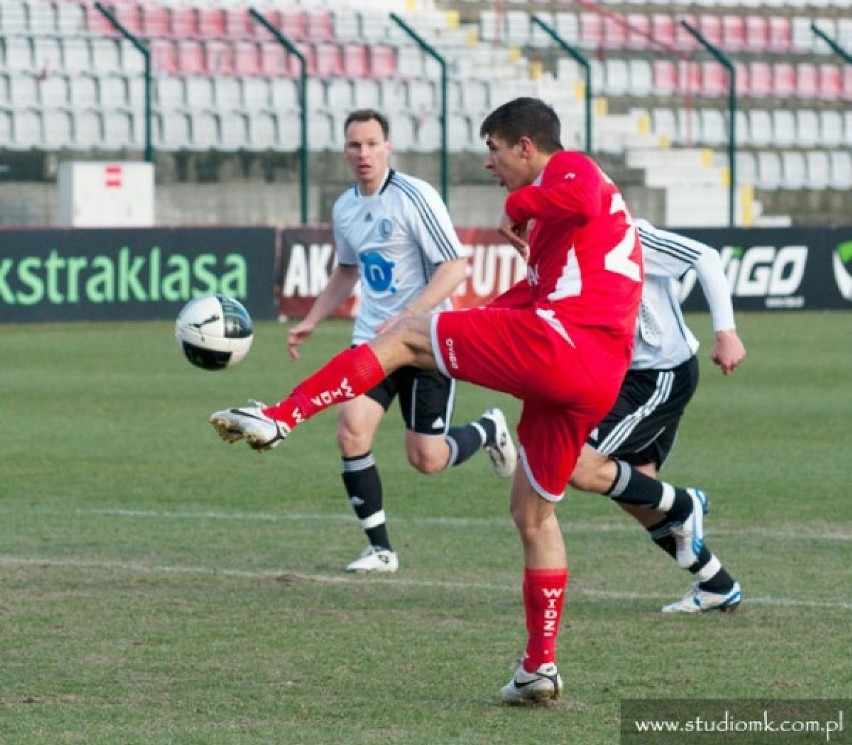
[451,353]
[377,271]
[385,228]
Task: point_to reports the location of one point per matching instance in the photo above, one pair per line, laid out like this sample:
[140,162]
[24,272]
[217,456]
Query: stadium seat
[783,80]
[664,124]
[759,79]
[714,79]
[768,170]
[382,61]
[793,170]
[164,56]
[830,131]
[257,93]
[212,22]
[23,89]
[263,131]
[26,129]
[199,92]
[190,57]
[83,90]
[227,92]
[779,34]
[329,61]
[356,60]
[156,21]
[640,76]
[247,57]
[275,60]
[119,130]
[293,23]
[616,79]
[107,56]
[615,34]
[733,33]
[759,128]
[205,130]
[807,125]
[339,94]
[428,134]
[756,33]
[784,128]
[746,166]
[284,95]
[710,27]
[320,24]
[218,57]
[47,54]
[591,30]
[638,31]
[807,80]
[70,18]
[663,29]
[714,130]
[54,90]
[665,78]
[568,26]
[830,82]
[841,169]
[184,22]
[128,14]
[233,128]
[366,94]
[169,92]
[172,130]
[57,130]
[689,77]
[817,170]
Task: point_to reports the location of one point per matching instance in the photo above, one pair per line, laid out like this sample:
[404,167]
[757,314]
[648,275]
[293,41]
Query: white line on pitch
[139,567]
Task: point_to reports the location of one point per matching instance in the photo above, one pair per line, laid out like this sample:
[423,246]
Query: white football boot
[689,535]
[249,422]
[540,687]
[503,453]
[699,601]
[375,559]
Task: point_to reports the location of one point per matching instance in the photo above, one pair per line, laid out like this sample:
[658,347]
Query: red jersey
[585,259]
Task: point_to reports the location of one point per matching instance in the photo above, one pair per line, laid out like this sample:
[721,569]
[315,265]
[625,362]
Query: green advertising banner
[132,274]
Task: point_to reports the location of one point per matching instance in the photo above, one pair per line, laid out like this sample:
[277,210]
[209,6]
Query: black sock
[720,581]
[364,487]
[663,538]
[634,487]
[464,441]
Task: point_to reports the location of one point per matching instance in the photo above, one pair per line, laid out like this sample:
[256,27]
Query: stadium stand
[69,80]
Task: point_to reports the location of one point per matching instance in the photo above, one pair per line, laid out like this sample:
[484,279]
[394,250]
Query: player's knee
[351,442]
[426,462]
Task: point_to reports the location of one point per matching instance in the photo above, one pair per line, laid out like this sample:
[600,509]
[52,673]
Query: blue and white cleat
[689,535]
[699,601]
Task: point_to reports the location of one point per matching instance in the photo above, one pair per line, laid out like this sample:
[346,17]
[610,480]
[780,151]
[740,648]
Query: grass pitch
[158,587]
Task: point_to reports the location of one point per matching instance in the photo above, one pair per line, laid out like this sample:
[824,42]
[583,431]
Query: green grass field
[159,587]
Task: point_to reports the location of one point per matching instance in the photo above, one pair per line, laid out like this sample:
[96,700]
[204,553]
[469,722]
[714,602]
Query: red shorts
[568,378]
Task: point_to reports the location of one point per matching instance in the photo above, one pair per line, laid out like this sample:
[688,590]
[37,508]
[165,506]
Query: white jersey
[662,339]
[396,237]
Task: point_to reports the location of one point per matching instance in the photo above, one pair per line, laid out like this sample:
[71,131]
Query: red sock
[544,593]
[349,374]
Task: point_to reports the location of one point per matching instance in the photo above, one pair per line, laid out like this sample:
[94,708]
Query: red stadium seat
[129,15]
[239,24]
[664,77]
[320,25]
[733,33]
[757,33]
[164,57]
[591,29]
[783,79]
[219,57]
[638,30]
[184,22]
[356,61]
[247,58]
[211,22]
[614,34]
[714,79]
[156,21]
[190,55]
[683,39]
[274,59]
[689,77]
[780,34]
[293,24]
[830,82]
[382,61]
[760,78]
[329,62]
[663,29]
[847,83]
[807,82]
[710,27]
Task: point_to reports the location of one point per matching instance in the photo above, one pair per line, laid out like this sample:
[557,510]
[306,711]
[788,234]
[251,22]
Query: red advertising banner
[307,257]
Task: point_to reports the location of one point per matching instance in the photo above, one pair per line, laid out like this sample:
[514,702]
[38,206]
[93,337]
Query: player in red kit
[560,341]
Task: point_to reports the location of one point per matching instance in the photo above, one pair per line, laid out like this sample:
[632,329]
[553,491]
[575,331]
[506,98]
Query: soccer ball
[214,331]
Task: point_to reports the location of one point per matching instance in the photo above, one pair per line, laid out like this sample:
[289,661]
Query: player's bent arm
[714,284]
[340,285]
[444,282]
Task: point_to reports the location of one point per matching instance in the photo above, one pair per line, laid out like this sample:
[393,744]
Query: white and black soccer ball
[214,331]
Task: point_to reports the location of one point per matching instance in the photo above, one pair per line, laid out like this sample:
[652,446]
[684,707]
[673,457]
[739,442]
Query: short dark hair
[525,117]
[367,115]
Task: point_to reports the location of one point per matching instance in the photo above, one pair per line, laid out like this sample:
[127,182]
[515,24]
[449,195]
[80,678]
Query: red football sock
[544,593]
[349,374]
